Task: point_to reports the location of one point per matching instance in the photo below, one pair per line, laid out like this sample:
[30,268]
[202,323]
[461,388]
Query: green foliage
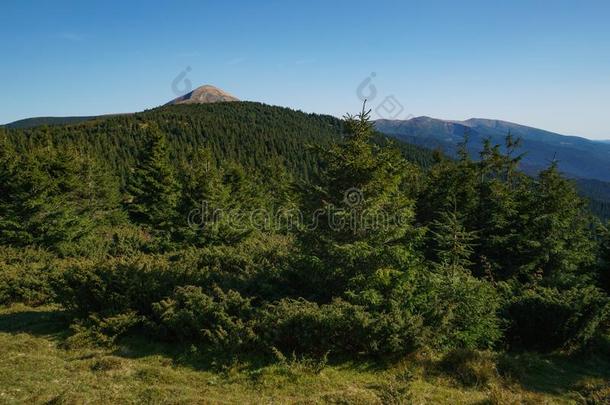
[154,192]
[604,264]
[454,245]
[560,244]
[365,209]
[543,318]
[219,319]
[339,327]
[462,311]
[389,255]
[26,276]
[204,192]
[54,199]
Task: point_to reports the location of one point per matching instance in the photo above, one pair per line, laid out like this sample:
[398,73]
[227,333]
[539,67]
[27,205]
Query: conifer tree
[558,229]
[154,191]
[605,258]
[48,199]
[496,216]
[204,194]
[362,213]
[454,244]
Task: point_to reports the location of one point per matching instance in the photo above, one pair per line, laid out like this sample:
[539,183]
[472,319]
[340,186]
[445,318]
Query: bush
[26,274]
[127,241]
[461,311]
[339,327]
[120,285]
[220,319]
[95,331]
[545,319]
[136,281]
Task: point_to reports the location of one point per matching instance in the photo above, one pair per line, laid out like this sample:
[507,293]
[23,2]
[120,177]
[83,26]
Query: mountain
[201,95]
[204,95]
[588,162]
[255,135]
[577,157]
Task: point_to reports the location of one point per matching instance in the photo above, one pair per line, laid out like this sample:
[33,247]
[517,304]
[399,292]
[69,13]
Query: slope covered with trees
[252,134]
[245,229]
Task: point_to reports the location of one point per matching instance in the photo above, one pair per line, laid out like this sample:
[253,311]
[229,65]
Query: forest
[315,237]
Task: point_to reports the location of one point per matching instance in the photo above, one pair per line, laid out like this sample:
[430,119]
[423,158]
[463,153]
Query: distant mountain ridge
[577,157]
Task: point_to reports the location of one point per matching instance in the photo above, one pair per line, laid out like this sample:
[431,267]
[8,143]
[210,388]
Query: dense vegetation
[242,228]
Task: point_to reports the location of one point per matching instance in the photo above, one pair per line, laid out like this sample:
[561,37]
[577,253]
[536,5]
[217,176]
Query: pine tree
[362,212]
[558,229]
[12,228]
[496,216]
[48,199]
[154,191]
[454,244]
[204,195]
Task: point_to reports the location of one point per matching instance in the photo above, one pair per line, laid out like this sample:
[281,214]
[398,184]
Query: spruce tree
[558,228]
[154,192]
[204,195]
[48,199]
[454,245]
[360,214]
[604,268]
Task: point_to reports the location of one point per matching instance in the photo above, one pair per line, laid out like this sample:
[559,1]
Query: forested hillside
[38,121]
[240,230]
[252,134]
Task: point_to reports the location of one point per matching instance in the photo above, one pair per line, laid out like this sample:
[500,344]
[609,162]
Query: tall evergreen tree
[605,258]
[558,229]
[154,192]
[362,212]
[204,195]
[454,245]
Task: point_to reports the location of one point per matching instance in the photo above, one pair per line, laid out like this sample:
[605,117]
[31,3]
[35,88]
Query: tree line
[439,253]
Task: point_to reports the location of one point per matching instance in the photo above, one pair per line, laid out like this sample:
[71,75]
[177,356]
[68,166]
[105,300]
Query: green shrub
[120,285]
[545,319]
[95,331]
[220,319]
[26,274]
[339,327]
[461,311]
[127,241]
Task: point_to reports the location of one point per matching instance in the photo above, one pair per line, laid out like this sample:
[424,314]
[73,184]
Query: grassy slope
[38,366]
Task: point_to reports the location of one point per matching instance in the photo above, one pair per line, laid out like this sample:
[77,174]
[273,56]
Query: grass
[40,364]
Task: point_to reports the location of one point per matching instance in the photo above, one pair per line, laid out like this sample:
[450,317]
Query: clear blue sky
[539,63]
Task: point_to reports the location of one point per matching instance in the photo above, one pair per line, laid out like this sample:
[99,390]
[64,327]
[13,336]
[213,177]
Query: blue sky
[539,63]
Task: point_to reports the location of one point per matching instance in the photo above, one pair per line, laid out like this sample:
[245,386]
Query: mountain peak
[204,95]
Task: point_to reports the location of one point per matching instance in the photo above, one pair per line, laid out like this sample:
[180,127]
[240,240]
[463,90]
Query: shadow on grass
[205,358]
[48,322]
[558,374]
